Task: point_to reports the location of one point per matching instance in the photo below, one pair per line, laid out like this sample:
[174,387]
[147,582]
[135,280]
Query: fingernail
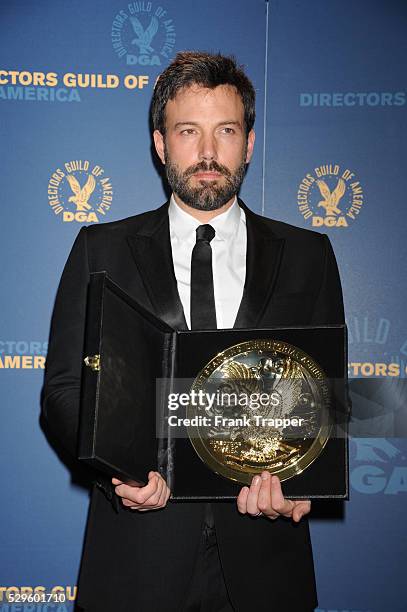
[256,480]
[265,475]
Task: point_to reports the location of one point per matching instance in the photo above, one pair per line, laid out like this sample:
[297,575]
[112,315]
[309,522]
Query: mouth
[207,176]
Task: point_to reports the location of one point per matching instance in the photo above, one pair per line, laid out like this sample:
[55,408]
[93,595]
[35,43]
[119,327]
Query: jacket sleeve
[60,397]
[329,310]
[61,390]
[329,303]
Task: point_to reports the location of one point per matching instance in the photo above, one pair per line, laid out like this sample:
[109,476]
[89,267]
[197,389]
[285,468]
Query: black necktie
[203,313]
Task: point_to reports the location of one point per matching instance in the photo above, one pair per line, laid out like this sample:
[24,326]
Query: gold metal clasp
[93,362]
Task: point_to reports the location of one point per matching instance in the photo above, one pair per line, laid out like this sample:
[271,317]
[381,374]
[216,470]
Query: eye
[228,130]
[188,131]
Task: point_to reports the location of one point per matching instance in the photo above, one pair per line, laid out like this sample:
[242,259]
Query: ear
[251,137]
[159,144]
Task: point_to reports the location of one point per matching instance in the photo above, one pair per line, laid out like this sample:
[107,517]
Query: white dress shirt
[228,259]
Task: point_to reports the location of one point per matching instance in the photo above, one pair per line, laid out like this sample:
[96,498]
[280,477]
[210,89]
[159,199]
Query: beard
[209,195]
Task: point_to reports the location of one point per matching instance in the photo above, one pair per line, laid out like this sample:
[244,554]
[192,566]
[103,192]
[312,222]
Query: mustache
[213,166]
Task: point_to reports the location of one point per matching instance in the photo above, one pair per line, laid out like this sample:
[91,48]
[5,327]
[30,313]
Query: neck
[204,216]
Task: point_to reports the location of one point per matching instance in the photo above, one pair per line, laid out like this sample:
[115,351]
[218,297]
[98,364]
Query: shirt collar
[183,225]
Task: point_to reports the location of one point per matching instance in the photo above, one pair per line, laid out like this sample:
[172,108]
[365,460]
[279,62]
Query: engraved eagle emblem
[281,375]
[81,194]
[144,37]
[267,404]
[240,378]
[331,199]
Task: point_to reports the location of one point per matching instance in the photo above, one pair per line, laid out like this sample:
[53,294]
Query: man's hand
[266,497]
[152,496]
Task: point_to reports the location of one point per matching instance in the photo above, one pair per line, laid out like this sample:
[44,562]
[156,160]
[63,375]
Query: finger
[242,500]
[252,498]
[116,481]
[156,483]
[138,494]
[264,499]
[129,503]
[155,498]
[160,497]
[165,494]
[152,502]
[161,500]
[278,501]
[161,503]
[300,509]
[143,508]
[140,508]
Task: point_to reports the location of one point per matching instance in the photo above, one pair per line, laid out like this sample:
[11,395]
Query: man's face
[205,148]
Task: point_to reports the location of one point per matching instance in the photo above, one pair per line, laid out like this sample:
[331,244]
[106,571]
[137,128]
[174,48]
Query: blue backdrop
[75,89]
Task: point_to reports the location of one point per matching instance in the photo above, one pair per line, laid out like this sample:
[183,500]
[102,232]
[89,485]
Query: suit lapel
[151,250]
[263,260]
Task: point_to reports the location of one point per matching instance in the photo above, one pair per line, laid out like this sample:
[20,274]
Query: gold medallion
[259,405]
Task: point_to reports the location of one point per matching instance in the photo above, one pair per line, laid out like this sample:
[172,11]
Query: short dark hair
[204,69]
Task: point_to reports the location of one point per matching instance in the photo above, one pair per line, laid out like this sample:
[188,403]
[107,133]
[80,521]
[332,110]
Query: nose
[207,150]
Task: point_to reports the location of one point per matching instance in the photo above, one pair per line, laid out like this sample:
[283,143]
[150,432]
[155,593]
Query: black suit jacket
[144,561]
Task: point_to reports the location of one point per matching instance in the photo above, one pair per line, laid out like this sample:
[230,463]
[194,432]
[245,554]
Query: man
[146,553]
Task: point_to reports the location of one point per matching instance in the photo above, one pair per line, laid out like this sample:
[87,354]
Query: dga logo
[144,34]
[80,191]
[380,467]
[330,196]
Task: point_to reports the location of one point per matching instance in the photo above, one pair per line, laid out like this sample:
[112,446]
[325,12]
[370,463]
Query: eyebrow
[195,123]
